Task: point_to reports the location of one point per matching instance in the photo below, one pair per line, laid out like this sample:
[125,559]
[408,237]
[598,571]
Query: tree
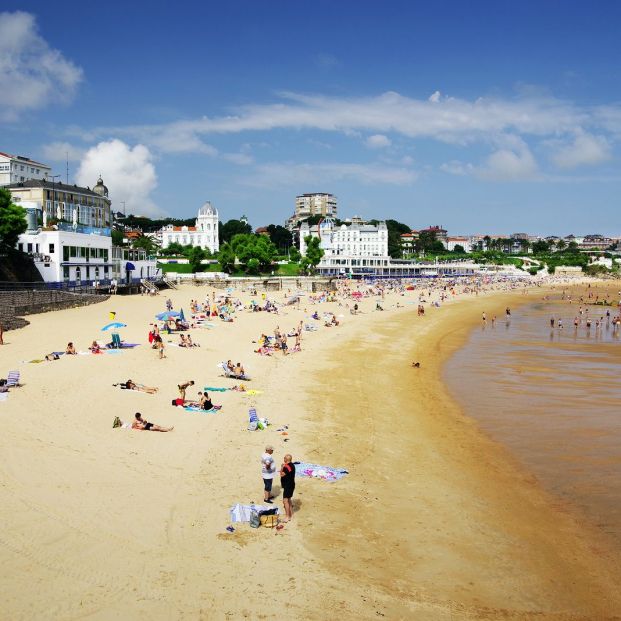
[459,249]
[294,254]
[280,236]
[395,229]
[427,242]
[196,257]
[314,252]
[226,257]
[253,266]
[249,246]
[117,237]
[12,221]
[173,249]
[148,244]
[231,228]
[541,246]
[561,244]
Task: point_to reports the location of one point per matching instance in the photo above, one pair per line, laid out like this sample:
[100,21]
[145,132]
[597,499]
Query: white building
[204,234]
[347,248]
[15,168]
[459,240]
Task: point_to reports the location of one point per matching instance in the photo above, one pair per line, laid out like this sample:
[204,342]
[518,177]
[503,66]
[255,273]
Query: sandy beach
[434,520]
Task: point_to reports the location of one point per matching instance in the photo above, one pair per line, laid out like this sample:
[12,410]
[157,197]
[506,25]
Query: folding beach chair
[12,379]
[116,341]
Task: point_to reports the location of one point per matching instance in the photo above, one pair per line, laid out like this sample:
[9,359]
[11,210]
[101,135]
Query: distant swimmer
[551,322]
[576,321]
[484,317]
[416,365]
[560,323]
[508,312]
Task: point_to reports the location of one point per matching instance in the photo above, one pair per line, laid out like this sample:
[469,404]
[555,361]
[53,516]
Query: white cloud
[61,151]
[32,74]
[241,159]
[515,164]
[295,175]
[455,167]
[435,97]
[378,141]
[128,172]
[585,150]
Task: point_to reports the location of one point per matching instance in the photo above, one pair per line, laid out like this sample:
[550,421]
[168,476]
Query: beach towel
[252,416]
[214,389]
[315,471]
[214,410]
[241,513]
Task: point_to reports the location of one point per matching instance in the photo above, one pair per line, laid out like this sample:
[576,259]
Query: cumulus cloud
[32,74]
[378,141]
[455,167]
[510,164]
[128,172]
[585,150]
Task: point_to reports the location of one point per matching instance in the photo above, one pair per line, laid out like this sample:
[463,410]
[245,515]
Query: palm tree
[561,244]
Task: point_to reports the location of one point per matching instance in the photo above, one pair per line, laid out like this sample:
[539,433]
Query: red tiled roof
[179,228]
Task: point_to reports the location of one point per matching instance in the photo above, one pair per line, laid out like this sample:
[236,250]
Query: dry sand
[435,521]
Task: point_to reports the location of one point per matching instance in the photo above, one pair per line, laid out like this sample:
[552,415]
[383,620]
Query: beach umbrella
[114,325]
[181,315]
[167,315]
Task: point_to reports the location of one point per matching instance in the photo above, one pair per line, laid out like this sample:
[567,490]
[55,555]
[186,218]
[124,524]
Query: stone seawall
[15,304]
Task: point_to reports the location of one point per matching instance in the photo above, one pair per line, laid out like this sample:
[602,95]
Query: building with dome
[204,234]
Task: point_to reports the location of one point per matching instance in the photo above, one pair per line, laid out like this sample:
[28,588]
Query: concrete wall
[14,304]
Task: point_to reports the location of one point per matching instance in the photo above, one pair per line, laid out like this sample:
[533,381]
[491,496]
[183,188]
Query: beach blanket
[315,471]
[189,408]
[241,513]
[215,389]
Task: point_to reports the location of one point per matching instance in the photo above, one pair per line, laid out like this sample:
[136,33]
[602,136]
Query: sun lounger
[229,373]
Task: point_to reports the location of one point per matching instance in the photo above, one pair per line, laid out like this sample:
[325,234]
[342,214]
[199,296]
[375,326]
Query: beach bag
[255,521]
[252,426]
[117,422]
[269,521]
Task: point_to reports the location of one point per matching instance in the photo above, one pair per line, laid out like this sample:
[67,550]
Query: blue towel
[314,471]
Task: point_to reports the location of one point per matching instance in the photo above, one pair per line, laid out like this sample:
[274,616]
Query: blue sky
[494,117]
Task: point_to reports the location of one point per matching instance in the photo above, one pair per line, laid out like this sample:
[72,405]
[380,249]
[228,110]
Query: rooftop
[48,185]
[24,159]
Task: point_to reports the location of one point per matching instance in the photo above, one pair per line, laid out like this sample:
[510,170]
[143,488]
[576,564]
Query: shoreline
[112,522]
[482,579]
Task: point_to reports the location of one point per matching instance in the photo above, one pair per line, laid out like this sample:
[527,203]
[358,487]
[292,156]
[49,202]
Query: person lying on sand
[51,357]
[143,425]
[131,385]
[71,350]
[95,349]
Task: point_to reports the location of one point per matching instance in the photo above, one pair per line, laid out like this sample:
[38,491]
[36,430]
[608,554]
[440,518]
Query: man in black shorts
[143,425]
[287,482]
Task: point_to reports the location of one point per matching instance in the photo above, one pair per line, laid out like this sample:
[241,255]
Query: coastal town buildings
[313,204]
[69,234]
[408,243]
[204,234]
[15,168]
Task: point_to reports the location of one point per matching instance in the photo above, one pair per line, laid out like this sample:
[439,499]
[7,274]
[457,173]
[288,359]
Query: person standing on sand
[287,482]
[268,471]
[1,333]
[183,387]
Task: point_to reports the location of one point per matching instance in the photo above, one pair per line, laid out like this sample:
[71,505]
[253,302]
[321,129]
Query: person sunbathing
[239,370]
[131,385]
[95,348]
[142,425]
[183,341]
[230,366]
[71,350]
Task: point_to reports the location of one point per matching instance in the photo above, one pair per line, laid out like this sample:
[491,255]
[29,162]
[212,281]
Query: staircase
[170,282]
[150,287]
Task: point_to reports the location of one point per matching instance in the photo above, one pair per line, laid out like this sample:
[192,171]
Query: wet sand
[434,521]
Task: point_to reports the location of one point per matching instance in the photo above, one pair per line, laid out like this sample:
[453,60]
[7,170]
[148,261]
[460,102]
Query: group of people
[287,479]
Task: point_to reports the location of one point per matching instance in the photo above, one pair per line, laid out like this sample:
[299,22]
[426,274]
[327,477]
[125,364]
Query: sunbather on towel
[143,425]
[71,350]
[131,385]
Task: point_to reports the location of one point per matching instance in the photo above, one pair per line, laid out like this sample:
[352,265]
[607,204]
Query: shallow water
[553,396]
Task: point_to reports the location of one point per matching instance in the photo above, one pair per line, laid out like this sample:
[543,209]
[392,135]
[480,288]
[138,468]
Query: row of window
[80,252]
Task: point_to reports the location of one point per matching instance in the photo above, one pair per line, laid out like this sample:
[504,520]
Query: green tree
[249,246]
[280,236]
[541,246]
[226,257]
[428,243]
[253,266]
[294,254]
[148,244]
[117,237]
[314,252]
[459,249]
[229,229]
[561,244]
[196,257]
[12,220]
[173,249]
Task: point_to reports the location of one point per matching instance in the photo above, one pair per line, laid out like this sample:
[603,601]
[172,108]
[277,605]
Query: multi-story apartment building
[204,234]
[15,168]
[314,204]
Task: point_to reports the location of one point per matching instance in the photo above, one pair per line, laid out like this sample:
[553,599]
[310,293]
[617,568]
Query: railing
[81,228]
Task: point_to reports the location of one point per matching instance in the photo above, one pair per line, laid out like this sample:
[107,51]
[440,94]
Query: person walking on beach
[268,471]
[1,333]
[287,482]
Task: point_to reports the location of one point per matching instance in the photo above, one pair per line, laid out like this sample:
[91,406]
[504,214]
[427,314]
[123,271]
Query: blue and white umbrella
[167,315]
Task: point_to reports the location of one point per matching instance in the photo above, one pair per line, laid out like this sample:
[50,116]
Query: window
[20,247]
[51,250]
[21,168]
[31,169]
[66,253]
[29,247]
[66,272]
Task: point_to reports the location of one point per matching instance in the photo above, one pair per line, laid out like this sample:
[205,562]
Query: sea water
[553,396]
